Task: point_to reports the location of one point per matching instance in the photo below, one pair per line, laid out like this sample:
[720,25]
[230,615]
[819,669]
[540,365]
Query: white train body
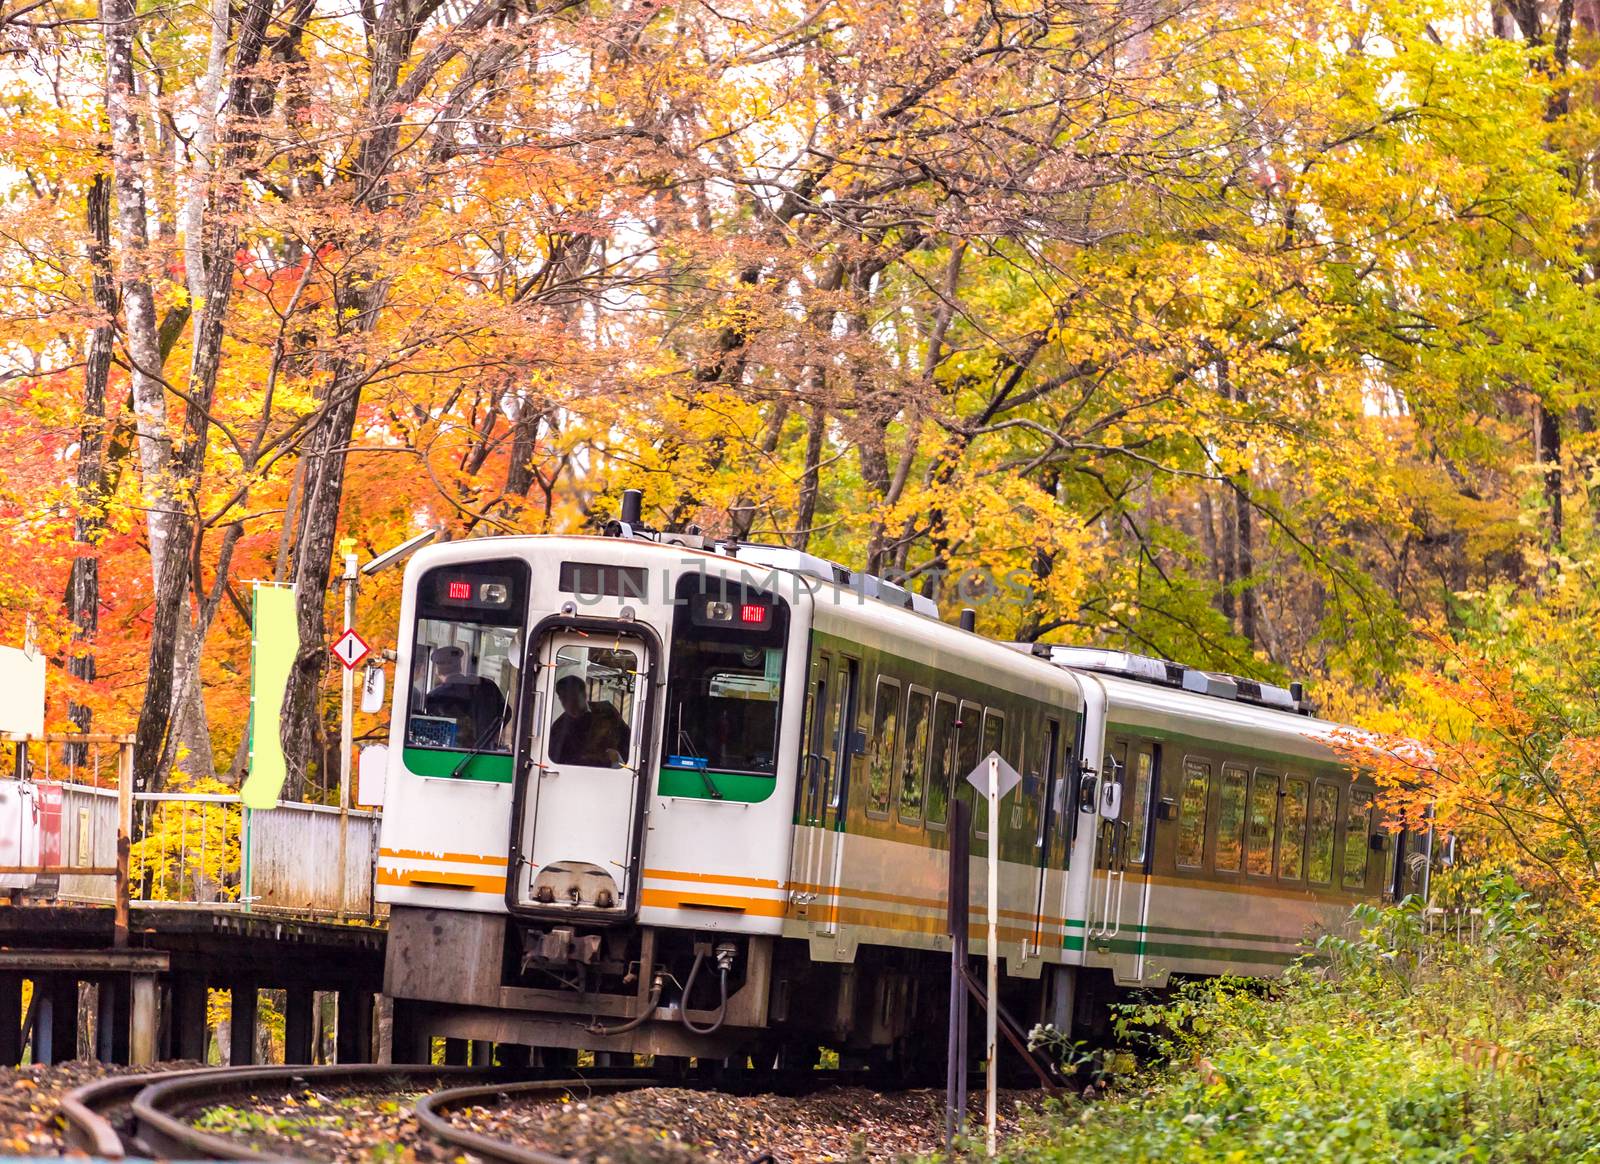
[754,786]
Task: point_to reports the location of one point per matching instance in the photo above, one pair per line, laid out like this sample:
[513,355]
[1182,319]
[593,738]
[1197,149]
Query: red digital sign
[460,591]
[752,612]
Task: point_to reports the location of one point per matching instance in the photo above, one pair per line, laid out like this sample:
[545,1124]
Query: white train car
[649,797]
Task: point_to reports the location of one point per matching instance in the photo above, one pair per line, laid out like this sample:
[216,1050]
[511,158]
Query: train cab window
[725,677]
[466,656]
[1324,821]
[1357,831]
[913,762]
[880,761]
[1263,827]
[1192,813]
[1230,820]
[941,762]
[592,723]
[1292,839]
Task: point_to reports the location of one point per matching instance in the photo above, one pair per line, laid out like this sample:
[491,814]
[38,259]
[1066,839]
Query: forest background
[1256,335]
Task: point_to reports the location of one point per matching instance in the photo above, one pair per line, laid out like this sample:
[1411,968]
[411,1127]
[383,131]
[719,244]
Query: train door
[816,778]
[1105,887]
[831,746]
[1133,861]
[1048,775]
[577,839]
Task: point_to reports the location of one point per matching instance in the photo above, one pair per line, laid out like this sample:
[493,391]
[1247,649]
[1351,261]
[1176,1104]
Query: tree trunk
[806,516]
[1245,565]
[144,350]
[221,241]
[1547,440]
[83,586]
[392,38]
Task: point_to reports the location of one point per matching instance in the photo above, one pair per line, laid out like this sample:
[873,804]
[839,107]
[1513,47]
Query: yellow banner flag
[274,642]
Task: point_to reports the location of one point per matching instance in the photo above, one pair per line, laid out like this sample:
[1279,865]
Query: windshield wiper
[485,740]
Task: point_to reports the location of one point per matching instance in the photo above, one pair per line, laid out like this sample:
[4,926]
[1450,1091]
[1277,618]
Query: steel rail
[85,1123]
[157,1102]
[154,1098]
[432,1119]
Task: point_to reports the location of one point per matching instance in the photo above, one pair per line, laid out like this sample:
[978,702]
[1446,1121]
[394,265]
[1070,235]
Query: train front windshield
[725,678]
[466,655]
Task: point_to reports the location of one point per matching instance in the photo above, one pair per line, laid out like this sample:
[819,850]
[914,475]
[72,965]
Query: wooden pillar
[482,1053]
[187,1018]
[55,1036]
[141,1026]
[409,1041]
[298,1024]
[242,1019]
[354,1040]
[111,1019]
[455,1052]
[10,1019]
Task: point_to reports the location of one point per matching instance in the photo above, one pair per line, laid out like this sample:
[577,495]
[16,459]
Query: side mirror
[372,690]
[1110,800]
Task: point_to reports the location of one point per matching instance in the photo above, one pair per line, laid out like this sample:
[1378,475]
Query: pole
[956,907]
[119,923]
[991,1012]
[346,547]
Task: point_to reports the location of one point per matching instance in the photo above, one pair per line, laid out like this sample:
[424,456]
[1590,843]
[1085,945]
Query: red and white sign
[350,649]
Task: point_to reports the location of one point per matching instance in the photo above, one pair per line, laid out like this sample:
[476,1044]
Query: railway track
[147,1115]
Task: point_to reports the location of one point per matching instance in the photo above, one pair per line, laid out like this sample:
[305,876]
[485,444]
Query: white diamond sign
[1006,774]
[350,649]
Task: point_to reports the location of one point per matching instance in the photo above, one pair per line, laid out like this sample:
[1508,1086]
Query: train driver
[474,702]
[590,734]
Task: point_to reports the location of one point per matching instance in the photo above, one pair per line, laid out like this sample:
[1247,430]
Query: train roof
[1140,691]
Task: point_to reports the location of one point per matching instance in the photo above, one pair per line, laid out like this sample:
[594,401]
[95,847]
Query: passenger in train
[474,702]
[592,734]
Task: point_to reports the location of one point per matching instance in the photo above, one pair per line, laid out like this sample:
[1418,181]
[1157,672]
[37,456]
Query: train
[654,794]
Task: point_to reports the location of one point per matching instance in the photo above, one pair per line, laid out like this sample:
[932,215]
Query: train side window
[1324,820]
[1230,820]
[1263,823]
[941,762]
[994,733]
[880,762]
[1192,813]
[1022,798]
[1292,842]
[913,763]
[1357,829]
[1048,780]
[968,726]
[1137,787]
[994,730]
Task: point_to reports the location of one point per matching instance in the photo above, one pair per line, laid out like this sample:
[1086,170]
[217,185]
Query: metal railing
[196,848]
[207,848]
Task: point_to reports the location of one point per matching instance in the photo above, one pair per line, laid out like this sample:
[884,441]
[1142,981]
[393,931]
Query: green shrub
[1395,1043]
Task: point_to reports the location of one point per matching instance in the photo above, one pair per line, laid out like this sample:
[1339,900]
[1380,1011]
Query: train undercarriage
[642,990]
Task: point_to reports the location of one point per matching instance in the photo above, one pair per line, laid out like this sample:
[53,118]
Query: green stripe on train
[1189,952]
[1226,935]
[494,768]
[735,786]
